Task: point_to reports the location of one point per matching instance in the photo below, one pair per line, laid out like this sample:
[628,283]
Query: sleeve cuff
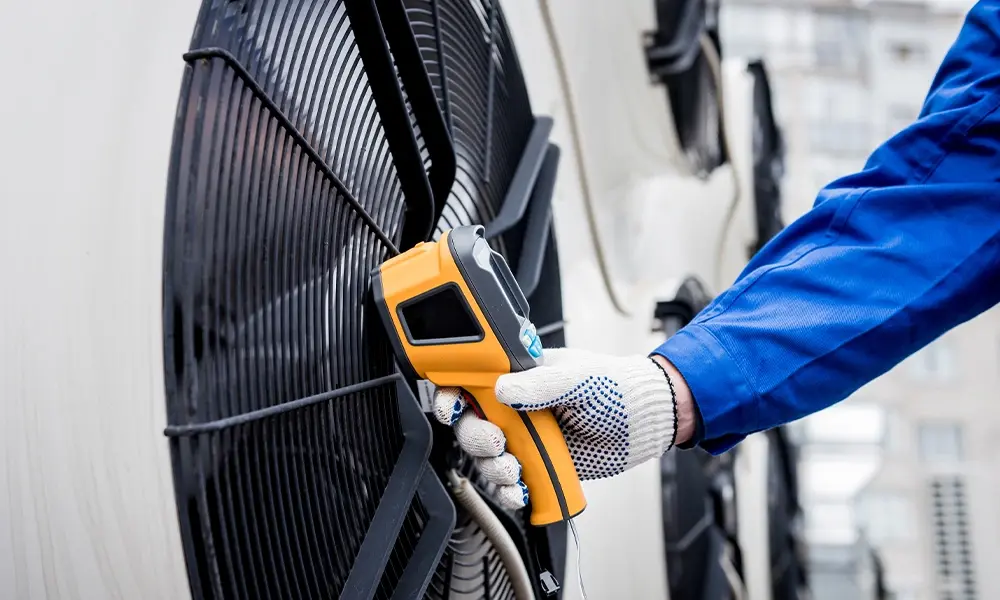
[727,405]
[699,431]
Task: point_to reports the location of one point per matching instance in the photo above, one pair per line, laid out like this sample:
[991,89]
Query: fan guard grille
[290,180]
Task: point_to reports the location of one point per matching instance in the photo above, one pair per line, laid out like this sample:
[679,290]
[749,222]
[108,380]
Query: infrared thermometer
[457,318]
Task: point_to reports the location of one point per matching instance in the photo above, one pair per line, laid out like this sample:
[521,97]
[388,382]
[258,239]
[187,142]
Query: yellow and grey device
[456,317]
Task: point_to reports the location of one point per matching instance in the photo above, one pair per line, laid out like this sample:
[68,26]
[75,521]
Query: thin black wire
[282,251]
[262,555]
[277,409]
[491,90]
[292,469]
[255,332]
[318,548]
[224,490]
[198,231]
[213,337]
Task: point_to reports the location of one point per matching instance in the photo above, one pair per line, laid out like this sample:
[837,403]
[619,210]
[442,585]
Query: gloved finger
[449,404]
[479,438]
[502,470]
[534,389]
[554,357]
[512,496]
[566,377]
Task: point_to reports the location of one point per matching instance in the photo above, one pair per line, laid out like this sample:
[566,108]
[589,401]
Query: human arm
[887,260]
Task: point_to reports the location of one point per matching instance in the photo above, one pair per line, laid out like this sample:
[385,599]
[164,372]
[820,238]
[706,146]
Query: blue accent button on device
[535,349]
[530,340]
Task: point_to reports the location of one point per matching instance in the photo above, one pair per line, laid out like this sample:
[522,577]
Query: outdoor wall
[89,510]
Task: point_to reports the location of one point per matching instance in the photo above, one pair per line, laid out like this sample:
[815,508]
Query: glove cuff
[652,410]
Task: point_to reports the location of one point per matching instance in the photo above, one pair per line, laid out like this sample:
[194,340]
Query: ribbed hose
[469,499]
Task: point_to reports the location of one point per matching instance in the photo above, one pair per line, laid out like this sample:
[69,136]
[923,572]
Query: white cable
[715,66]
[468,497]
[581,169]
[579,566]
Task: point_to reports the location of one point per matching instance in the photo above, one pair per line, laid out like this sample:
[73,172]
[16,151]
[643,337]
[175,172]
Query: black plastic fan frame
[789,573]
[768,159]
[505,177]
[696,520]
[313,140]
[676,59]
[697,489]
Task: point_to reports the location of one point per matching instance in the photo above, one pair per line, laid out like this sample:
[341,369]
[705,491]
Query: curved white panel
[88,102]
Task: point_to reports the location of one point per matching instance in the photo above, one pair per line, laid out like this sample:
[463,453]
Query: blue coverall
[887,260]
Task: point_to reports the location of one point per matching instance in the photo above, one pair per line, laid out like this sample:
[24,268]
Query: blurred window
[899,117]
[850,422]
[894,438]
[886,517]
[934,363]
[840,138]
[840,40]
[825,170]
[908,51]
[941,442]
[829,522]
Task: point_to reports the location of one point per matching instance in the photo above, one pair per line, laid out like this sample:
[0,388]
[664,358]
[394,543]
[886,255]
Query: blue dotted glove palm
[616,412]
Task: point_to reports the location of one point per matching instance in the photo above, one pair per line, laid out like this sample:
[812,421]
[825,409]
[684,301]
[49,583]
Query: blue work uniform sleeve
[886,261]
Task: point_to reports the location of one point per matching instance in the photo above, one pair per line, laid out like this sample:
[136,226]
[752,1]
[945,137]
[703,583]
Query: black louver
[697,489]
[789,574]
[505,177]
[768,159]
[314,140]
[676,59]
[788,561]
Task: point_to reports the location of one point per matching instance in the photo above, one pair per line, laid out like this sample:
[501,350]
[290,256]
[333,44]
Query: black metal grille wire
[282,197]
[470,57]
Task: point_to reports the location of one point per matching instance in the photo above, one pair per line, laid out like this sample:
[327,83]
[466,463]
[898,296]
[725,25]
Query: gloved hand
[615,413]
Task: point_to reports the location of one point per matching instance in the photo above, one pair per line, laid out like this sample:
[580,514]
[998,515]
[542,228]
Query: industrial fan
[684,55]
[312,141]
[786,543]
[706,501]
[699,495]
[768,159]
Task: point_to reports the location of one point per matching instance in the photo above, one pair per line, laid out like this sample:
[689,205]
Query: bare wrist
[685,402]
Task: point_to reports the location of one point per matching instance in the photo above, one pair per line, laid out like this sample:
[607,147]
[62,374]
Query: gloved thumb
[551,384]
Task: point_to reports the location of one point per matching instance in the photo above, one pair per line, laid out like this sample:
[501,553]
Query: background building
[909,465]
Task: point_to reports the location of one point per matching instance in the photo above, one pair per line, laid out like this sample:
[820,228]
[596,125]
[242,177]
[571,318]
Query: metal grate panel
[295,171]
[470,58]
[956,573]
[314,140]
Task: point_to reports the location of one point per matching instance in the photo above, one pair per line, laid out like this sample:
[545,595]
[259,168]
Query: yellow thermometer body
[457,318]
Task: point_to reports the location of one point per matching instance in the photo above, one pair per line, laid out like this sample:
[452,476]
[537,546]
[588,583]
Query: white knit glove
[615,412]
